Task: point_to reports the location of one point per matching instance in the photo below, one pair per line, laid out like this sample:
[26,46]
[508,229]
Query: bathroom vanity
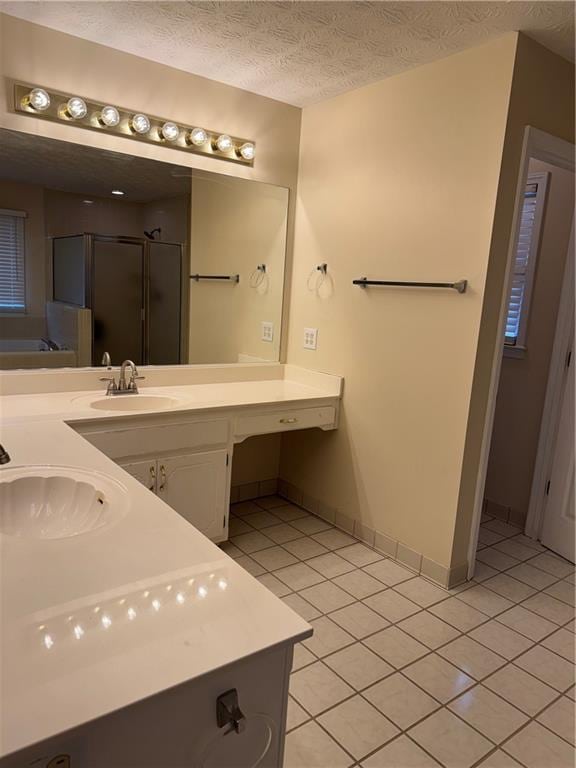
[139,642]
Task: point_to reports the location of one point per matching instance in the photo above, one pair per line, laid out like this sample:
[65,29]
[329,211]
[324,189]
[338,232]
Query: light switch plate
[267,333]
[310,338]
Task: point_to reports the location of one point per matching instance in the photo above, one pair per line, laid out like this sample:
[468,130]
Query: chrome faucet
[123,387]
[106,360]
[131,385]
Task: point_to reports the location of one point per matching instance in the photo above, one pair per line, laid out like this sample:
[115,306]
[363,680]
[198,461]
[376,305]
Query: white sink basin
[134,403]
[52,502]
[127,403]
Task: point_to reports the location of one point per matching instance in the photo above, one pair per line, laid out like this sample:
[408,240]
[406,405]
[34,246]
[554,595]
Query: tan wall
[29,198]
[522,385]
[68,214]
[398,180]
[543,97]
[235,227]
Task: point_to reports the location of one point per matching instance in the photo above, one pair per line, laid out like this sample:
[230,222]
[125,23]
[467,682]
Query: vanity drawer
[141,441]
[285,421]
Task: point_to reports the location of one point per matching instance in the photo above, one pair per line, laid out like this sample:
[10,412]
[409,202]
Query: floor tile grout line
[426,608]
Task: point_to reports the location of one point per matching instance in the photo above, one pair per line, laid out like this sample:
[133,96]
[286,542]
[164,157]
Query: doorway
[528,467]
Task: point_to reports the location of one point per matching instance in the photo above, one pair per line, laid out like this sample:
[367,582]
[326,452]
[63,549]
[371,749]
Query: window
[525,262]
[12,261]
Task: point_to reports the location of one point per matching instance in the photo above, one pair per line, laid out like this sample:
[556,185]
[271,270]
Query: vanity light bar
[59,107]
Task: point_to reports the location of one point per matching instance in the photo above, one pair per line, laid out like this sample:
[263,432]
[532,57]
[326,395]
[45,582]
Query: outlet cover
[310,338]
[267,333]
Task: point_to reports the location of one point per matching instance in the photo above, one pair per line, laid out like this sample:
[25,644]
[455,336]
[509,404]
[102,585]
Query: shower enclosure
[134,289]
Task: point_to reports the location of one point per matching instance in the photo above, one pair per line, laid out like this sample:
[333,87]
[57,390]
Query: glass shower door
[118,299]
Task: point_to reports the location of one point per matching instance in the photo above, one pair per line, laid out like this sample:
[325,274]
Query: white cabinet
[195,485]
[143,471]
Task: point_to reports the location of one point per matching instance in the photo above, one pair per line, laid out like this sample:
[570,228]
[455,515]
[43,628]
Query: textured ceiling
[301,52]
[86,170]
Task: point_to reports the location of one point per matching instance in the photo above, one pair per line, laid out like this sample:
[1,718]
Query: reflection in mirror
[103,252]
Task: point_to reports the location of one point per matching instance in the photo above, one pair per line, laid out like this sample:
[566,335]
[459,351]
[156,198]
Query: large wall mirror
[102,252]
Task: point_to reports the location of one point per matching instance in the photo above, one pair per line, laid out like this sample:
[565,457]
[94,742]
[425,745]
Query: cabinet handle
[288,421]
[152,478]
[162,477]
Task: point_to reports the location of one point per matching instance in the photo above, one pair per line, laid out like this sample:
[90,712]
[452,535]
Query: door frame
[540,146]
[553,398]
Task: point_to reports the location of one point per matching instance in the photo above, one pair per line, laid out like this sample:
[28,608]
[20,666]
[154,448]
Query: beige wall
[29,198]
[398,180]
[543,97]
[522,385]
[68,214]
[235,227]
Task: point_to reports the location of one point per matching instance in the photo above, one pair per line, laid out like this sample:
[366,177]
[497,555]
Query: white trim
[550,414]
[10,212]
[514,351]
[540,146]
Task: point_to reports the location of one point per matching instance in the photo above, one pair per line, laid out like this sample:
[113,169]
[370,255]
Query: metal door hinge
[227,459]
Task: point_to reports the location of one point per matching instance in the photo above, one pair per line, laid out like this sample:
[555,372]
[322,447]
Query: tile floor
[403,674]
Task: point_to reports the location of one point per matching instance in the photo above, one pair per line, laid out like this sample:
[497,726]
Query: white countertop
[74,406]
[172,599]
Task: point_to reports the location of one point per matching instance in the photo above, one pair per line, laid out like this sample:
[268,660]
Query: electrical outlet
[310,338]
[267,333]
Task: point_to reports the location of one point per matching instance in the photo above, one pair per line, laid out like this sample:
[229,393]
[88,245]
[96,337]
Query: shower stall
[134,289]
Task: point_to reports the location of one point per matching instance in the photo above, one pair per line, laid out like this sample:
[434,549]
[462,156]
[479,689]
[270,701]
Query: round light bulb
[247,151]
[140,123]
[76,108]
[109,116]
[224,143]
[198,137]
[38,99]
[170,131]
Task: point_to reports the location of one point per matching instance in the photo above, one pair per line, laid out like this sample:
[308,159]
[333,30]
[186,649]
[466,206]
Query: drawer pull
[288,421]
[162,477]
[152,479]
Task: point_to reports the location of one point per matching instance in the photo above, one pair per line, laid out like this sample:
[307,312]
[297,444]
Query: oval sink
[134,403]
[45,502]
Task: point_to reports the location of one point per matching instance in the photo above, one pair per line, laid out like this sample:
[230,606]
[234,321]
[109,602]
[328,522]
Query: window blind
[526,251]
[12,266]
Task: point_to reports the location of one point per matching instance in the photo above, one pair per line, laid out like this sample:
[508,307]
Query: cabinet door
[195,486]
[144,471]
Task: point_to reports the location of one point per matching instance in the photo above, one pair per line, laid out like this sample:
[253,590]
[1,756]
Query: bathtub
[33,353]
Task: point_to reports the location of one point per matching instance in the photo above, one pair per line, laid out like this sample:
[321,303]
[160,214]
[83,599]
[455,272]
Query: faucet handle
[112,386]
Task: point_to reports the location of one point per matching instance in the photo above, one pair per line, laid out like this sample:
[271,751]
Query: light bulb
[76,108]
[140,123]
[224,143]
[247,151]
[38,99]
[169,131]
[109,116]
[198,137]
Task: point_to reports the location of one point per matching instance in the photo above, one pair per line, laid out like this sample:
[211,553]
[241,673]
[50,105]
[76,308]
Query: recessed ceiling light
[87,202]
[117,192]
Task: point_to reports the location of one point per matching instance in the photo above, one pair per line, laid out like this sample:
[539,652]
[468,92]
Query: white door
[143,471]
[558,530]
[195,486]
